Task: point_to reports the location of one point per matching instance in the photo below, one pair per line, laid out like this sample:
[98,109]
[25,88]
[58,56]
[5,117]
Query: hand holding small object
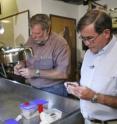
[16,69]
[70,85]
[28,72]
[81,92]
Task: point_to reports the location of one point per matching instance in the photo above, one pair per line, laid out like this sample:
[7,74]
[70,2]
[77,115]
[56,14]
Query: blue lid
[28,106]
[10,121]
[39,101]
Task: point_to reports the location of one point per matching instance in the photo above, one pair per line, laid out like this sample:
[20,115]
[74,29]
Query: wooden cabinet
[67,28]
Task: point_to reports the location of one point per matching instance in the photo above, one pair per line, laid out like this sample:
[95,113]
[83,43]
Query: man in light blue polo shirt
[98,84]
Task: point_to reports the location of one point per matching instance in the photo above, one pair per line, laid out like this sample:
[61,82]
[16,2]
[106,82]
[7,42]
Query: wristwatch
[37,73]
[94,98]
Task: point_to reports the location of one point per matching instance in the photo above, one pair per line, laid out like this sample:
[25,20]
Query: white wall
[109,3]
[59,8]
[33,5]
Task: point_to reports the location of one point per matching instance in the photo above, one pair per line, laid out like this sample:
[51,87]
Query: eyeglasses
[89,38]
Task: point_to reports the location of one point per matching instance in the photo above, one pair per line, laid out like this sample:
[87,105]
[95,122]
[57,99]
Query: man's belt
[104,122]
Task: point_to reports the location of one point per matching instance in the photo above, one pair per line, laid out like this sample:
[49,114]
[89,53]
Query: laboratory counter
[13,93]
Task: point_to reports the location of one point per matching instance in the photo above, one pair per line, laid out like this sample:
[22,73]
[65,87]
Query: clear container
[33,120]
[28,110]
[50,115]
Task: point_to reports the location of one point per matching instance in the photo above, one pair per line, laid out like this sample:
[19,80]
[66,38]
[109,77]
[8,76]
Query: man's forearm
[53,74]
[107,100]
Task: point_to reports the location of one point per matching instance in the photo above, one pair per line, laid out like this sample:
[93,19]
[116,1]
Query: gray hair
[100,19]
[41,19]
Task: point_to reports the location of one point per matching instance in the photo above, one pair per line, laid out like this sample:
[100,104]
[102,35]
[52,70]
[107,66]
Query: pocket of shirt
[111,87]
[106,85]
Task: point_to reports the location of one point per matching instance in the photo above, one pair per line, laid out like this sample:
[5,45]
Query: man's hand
[68,86]
[79,91]
[27,73]
[83,92]
[17,68]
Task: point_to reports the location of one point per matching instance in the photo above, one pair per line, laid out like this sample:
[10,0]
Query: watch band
[95,98]
[37,73]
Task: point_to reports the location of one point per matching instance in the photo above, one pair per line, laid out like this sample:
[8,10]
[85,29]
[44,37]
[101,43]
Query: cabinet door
[67,28]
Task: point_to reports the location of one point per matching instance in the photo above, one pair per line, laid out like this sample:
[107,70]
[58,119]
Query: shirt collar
[108,46]
[105,50]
